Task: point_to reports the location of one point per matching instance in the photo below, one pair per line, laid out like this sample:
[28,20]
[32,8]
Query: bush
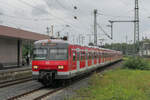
[136,63]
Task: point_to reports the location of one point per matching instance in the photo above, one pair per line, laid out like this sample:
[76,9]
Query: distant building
[11,40]
[145,50]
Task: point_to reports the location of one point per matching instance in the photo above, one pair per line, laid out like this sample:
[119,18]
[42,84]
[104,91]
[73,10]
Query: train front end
[50,61]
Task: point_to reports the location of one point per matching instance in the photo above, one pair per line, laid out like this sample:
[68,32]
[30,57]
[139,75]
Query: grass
[121,84]
[132,82]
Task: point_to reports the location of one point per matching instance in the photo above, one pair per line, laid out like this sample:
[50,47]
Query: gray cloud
[39,10]
[20,13]
[1,11]
[61,12]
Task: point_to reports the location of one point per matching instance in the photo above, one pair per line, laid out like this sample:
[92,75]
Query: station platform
[15,73]
[15,69]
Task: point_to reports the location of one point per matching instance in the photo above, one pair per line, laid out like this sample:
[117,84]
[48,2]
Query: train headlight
[60,67]
[35,67]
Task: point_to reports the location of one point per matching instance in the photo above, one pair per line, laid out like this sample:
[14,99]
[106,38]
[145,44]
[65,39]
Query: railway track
[37,94]
[47,94]
[42,92]
[25,94]
[14,82]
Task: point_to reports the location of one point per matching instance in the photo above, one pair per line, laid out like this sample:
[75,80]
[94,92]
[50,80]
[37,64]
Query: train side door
[103,56]
[97,57]
[74,59]
[92,58]
[78,60]
[86,58]
[100,57]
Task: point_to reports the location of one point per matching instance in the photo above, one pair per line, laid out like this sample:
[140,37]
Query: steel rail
[24,94]
[14,82]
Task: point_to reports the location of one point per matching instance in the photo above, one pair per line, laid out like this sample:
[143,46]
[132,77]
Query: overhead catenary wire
[78,20]
[72,4]
[77,27]
[75,23]
[104,31]
[61,5]
[59,18]
[70,10]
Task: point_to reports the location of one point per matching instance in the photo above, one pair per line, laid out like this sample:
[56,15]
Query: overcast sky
[36,15]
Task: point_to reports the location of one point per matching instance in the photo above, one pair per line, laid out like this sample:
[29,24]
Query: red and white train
[58,60]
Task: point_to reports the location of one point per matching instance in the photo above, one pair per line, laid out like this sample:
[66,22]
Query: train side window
[104,55]
[89,56]
[58,54]
[95,55]
[99,54]
[92,55]
[78,55]
[86,55]
[82,55]
[70,52]
[74,56]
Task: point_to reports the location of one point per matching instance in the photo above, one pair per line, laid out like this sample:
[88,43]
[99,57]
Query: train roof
[51,41]
[66,42]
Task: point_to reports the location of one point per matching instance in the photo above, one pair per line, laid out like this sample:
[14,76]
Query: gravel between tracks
[17,89]
[36,94]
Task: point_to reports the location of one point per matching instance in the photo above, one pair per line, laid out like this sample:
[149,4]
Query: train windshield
[40,54]
[58,54]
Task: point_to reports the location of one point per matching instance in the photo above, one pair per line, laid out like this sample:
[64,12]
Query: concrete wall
[9,51]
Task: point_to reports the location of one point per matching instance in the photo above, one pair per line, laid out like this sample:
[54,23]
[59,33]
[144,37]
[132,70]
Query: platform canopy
[21,34]
[11,44]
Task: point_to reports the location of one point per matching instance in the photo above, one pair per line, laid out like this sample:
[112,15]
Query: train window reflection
[74,56]
[39,54]
[58,54]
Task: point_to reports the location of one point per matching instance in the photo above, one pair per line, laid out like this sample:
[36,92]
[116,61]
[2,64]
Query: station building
[11,40]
